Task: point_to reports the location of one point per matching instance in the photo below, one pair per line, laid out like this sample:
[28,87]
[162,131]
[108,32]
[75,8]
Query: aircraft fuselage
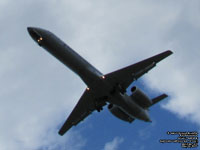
[93,78]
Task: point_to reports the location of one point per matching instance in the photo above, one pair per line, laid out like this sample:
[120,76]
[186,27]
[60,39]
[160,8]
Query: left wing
[84,107]
[125,76]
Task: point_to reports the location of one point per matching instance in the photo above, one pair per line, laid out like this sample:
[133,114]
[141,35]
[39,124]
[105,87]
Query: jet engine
[117,112]
[140,98]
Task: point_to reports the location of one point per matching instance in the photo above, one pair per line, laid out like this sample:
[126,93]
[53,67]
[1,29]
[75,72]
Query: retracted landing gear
[99,103]
[99,109]
[119,88]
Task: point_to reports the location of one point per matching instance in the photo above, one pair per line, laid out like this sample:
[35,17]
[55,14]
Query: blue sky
[38,92]
[102,127]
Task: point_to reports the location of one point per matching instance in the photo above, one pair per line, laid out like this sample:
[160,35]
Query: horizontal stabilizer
[158,99]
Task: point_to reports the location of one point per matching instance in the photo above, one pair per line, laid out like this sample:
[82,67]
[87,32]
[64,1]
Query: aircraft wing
[127,75]
[84,107]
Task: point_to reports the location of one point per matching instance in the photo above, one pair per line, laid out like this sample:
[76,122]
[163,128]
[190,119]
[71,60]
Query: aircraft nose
[29,29]
[35,34]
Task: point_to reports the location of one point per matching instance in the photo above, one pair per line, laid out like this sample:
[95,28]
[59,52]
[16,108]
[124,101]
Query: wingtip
[60,133]
[170,52]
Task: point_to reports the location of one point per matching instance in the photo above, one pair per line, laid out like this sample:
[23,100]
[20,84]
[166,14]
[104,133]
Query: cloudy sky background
[37,92]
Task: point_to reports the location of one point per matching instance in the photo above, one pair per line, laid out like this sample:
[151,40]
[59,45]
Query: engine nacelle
[140,98]
[117,112]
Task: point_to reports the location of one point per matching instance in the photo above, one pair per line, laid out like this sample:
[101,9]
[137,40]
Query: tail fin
[158,99]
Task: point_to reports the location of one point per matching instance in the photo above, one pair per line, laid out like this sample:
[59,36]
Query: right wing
[84,107]
[125,76]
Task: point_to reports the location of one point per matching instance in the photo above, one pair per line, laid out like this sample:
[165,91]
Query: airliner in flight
[102,89]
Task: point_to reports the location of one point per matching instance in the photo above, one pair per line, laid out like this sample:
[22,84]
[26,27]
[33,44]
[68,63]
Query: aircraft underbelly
[128,106]
[101,88]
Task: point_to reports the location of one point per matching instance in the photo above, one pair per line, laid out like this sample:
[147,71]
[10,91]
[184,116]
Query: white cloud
[178,76]
[114,144]
[31,106]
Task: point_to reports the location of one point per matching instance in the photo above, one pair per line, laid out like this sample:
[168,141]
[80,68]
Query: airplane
[102,89]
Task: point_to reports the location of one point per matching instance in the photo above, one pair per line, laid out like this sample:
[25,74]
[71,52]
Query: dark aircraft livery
[102,89]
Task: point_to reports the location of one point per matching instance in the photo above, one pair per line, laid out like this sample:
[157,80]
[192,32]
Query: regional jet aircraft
[102,89]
